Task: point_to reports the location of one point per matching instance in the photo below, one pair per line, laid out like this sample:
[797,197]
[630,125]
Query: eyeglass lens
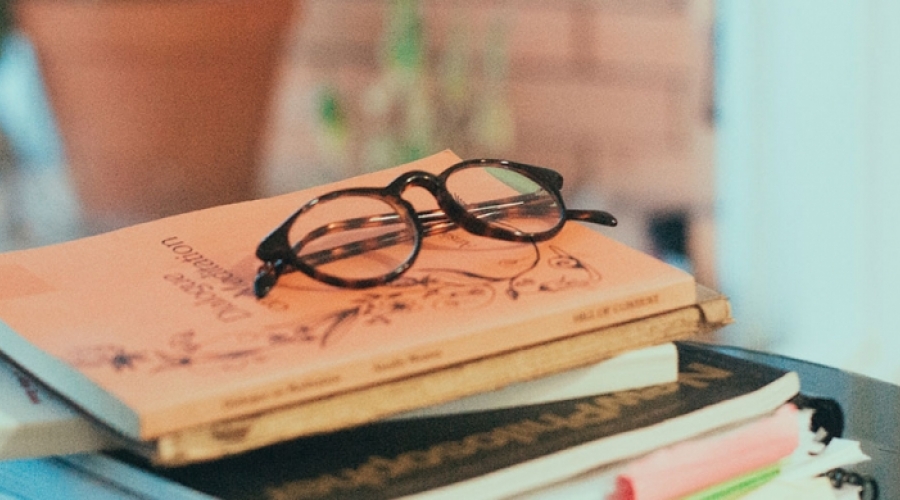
[353,237]
[505,199]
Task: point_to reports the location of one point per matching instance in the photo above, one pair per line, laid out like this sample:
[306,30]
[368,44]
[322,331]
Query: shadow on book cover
[393,459]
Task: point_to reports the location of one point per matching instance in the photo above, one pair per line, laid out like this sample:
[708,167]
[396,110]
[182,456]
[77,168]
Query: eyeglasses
[364,237]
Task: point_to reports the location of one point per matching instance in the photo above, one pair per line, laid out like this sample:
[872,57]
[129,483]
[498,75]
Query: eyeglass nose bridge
[416,178]
[436,185]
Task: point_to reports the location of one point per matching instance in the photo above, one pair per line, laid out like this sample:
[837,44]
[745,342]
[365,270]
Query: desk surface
[871,411]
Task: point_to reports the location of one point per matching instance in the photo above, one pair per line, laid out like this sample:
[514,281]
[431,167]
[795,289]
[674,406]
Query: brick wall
[615,94]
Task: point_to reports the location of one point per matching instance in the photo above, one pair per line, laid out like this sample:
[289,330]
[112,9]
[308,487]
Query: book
[98,476]
[35,422]
[796,477]
[805,474]
[499,453]
[685,469]
[642,367]
[155,330]
[86,476]
[711,312]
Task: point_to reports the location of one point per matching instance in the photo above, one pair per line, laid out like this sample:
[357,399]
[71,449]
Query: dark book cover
[393,459]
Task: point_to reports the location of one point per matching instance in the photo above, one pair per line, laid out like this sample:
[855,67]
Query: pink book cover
[155,327]
[693,465]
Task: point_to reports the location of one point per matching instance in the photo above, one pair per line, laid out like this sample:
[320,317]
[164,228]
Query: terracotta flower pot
[161,105]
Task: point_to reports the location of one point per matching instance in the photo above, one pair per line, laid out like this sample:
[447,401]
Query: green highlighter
[739,486]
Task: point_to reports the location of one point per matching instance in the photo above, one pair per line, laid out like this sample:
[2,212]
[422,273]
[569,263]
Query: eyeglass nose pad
[265,279]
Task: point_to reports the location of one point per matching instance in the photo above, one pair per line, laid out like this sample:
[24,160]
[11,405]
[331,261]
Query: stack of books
[490,369]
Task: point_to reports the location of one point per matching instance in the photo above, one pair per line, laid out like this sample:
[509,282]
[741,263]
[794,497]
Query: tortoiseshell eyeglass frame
[280,256]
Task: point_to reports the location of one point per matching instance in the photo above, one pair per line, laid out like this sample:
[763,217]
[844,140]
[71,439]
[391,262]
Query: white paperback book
[630,370]
[35,422]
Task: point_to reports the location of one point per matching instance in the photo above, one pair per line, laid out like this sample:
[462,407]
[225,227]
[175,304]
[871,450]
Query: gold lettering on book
[700,375]
[421,357]
[281,392]
[231,432]
[246,400]
[314,382]
[377,471]
[400,362]
[601,312]
[392,364]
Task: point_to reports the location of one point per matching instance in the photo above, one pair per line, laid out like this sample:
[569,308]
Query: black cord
[827,419]
[869,485]
[827,423]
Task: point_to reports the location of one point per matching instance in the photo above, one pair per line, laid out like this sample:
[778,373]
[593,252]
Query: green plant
[421,102]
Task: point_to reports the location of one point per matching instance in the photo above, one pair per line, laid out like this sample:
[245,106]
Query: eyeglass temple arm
[595,216]
[370,244]
[431,220]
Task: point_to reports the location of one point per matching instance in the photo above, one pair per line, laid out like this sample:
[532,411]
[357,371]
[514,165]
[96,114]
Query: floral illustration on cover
[428,289]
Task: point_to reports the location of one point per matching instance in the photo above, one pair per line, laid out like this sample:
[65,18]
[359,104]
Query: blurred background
[756,144]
